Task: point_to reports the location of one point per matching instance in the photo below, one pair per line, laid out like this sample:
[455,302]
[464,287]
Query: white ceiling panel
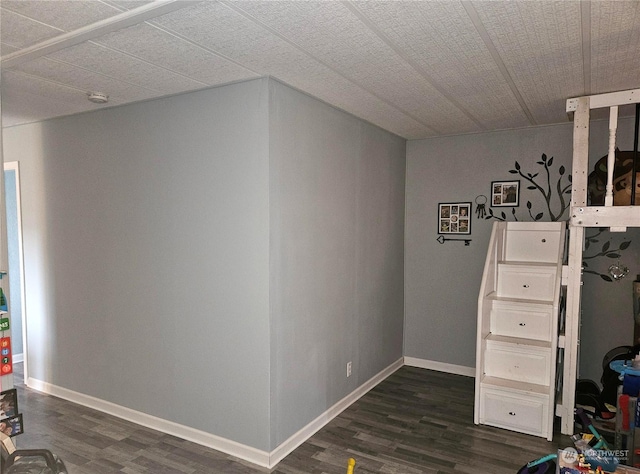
[123,67]
[416,68]
[156,46]
[7,49]
[538,42]
[346,45]
[615,33]
[20,31]
[22,92]
[441,42]
[65,15]
[84,80]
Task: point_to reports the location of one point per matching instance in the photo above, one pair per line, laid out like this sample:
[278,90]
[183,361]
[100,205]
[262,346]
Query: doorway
[16,263]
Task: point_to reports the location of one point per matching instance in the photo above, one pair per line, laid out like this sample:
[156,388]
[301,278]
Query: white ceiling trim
[95,30]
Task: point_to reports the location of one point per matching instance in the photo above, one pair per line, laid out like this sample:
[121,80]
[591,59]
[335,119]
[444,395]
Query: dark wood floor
[415,421]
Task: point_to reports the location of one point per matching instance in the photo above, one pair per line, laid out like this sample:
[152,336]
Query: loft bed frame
[582,216]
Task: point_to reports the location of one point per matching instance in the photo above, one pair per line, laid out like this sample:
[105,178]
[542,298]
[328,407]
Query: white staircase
[517,341]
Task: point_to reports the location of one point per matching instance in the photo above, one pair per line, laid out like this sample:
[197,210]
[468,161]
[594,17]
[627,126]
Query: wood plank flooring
[416,421]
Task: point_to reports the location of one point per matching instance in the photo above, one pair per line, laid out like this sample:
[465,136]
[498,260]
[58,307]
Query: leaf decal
[606,278]
[531,187]
[606,246]
[550,161]
[625,245]
[561,170]
[528,204]
[539,216]
[613,255]
[517,166]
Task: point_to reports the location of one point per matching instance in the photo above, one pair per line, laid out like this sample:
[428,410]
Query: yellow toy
[350,465]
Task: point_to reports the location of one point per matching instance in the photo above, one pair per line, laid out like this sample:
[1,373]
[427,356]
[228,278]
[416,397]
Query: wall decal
[550,193]
[605,251]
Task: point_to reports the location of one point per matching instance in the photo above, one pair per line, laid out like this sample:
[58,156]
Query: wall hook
[442,240]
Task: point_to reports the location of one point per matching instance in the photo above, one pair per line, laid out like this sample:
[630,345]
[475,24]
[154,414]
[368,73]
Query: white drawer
[518,362]
[513,411]
[526,282]
[533,245]
[530,322]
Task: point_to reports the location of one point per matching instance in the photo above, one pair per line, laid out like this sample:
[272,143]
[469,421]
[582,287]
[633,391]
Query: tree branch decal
[606,251]
[545,188]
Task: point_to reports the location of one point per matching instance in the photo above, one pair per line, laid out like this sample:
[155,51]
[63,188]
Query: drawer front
[533,246]
[526,282]
[506,410]
[518,363]
[520,321]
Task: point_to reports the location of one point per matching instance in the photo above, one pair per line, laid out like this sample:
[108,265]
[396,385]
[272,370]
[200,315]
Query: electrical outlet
[349,369]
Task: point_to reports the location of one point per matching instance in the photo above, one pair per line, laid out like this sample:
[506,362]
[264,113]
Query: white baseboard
[218,443]
[305,433]
[440,366]
[253,455]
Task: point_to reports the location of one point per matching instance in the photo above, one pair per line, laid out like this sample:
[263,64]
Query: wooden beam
[606,100]
[601,216]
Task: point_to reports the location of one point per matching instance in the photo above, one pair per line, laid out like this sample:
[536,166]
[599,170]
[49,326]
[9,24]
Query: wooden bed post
[574,283]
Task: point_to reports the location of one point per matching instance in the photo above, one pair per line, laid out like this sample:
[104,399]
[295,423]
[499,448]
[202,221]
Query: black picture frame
[505,193]
[8,403]
[454,218]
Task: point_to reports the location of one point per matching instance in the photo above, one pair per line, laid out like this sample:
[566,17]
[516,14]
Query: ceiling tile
[156,46]
[122,67]
[615,39]
[7,49]
[21,32]
[342,42]
[84,81]
[65,15]
[539,43]
[441,41]
[29,99]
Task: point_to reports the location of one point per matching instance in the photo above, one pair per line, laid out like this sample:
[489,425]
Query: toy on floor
[350,465]
[589,459]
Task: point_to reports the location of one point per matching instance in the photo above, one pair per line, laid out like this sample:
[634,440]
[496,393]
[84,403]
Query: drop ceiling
[416,68]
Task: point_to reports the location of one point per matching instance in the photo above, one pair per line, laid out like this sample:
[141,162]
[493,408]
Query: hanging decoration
[481,210]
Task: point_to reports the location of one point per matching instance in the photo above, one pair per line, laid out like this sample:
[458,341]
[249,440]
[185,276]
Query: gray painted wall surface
[442,281]
[337,219]
[147,256]
[155,234]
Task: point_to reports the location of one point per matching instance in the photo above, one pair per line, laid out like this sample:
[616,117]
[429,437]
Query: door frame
[15,167]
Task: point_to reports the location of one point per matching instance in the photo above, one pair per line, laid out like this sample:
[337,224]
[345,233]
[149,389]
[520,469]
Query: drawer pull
[522,324]
[544,240]
[512,413]
[525,286]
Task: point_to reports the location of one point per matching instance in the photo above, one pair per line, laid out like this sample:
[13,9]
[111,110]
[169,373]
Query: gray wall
[214,259]
[442,281]
[147,256]
[337,219]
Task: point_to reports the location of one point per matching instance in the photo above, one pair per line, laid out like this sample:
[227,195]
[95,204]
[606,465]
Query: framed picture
[8,403]
[454,218]
[12,426]
[505,193]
